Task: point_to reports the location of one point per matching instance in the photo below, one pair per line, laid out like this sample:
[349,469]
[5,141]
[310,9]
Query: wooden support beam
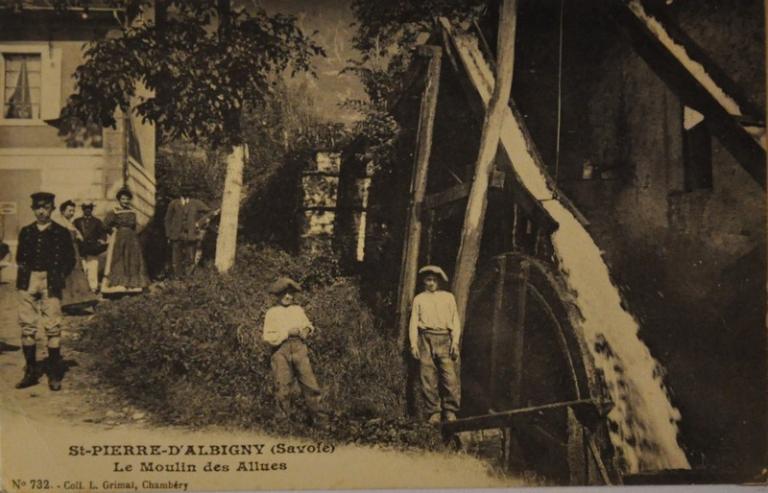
[518,331]
[456,192]
[474,218]
[431,220]
[497,321]
[413,74]
[667,55]
[516,140]
[507,418]
[418,188]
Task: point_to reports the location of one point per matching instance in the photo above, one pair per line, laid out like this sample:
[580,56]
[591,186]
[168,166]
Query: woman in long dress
[125,271]
[77,293]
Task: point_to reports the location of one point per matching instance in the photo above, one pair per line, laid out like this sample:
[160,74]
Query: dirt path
[39,429]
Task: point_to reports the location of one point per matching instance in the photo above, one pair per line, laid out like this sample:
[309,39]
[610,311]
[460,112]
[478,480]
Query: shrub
[191,353]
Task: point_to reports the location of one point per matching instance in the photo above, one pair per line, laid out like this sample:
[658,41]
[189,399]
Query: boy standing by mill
[434,333]
[286,327]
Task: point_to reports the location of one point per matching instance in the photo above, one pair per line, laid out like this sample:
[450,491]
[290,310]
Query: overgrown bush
[191,353]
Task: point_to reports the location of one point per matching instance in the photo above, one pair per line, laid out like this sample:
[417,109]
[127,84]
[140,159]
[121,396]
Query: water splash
[643,424]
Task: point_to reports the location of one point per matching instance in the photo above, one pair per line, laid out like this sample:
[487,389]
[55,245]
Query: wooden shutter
[51,83]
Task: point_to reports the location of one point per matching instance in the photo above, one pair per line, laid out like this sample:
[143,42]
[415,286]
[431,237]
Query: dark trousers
[291,362]
[439,373]
[182,257]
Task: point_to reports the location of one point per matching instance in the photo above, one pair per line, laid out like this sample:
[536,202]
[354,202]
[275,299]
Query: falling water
[643,424]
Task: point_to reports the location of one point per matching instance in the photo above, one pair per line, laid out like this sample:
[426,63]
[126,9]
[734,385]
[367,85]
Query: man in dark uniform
[45,257]
[182,230]
[93,243]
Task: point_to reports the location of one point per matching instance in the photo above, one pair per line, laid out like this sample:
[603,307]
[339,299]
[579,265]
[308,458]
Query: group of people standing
[124,269]
[58,266]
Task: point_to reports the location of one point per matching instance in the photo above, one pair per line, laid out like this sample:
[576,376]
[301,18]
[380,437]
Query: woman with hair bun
[125,270]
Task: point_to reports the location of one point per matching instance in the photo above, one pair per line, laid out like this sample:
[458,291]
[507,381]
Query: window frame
[23,49]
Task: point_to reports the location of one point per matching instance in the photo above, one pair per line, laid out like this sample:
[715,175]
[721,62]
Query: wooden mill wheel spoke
[524,358]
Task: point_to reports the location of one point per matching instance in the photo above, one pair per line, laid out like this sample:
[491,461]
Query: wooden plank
[504,419]
[456,192]
[576,452]
[460,191]
[691,89]
[418,189]
[595,453]
[518,332]
[474,218]
[496,326]
[431,220]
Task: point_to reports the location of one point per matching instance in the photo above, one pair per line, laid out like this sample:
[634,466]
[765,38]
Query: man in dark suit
[181,229]
[45,257]
[92,244]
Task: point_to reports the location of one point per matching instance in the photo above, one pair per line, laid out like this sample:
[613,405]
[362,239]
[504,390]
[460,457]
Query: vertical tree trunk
[226,242]
[474,217]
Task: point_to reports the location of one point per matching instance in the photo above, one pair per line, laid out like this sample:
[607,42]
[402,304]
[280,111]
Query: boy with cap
[286,326]
[434,333]
[45,257]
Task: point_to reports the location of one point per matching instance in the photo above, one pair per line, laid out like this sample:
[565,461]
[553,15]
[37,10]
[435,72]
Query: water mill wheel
[526,370]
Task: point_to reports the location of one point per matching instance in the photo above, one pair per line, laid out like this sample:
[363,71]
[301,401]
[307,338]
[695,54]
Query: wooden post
[431,218]
[576,451]
[518,333]
[496,323]
[515,220]
[474,217]
[410,263]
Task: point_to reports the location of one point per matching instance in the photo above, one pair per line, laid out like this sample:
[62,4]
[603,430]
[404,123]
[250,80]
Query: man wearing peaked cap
[45,257]
[286,327]
[40,199]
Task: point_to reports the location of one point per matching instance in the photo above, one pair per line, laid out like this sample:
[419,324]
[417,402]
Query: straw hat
[283,284]
[433,269]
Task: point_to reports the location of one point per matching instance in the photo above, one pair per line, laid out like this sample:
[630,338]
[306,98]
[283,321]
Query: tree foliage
[202,67]
[386,34]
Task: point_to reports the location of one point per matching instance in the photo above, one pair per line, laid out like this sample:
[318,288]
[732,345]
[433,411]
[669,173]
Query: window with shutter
[30,84]
[22,86]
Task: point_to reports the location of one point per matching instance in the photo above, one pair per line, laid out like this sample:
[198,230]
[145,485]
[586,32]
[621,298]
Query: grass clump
[191,353]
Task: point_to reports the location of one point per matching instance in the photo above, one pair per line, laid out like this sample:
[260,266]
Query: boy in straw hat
[286,326]
[434,335]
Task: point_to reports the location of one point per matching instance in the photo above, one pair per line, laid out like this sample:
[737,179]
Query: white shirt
[434,311]
[280,320]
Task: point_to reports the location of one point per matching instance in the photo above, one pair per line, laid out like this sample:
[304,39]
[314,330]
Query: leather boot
[54,368]
[30,370]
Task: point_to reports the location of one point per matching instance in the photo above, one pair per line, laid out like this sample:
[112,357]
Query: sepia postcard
[358,244]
